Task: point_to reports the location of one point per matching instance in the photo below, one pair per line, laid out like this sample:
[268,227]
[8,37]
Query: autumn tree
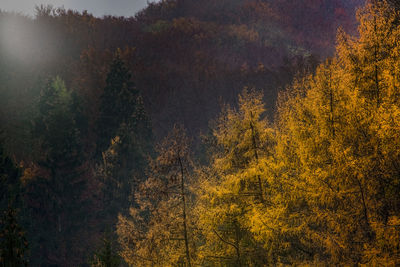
[235,184]
[333,133]
[159,230]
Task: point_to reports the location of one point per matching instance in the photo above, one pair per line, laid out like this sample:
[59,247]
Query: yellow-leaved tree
[234,184]
[159,230]
[333,133]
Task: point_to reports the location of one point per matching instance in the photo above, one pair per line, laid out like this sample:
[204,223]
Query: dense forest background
[201,133]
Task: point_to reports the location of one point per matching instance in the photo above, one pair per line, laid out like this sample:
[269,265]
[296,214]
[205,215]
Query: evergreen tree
[119,102]
[55,193]
[124,162]
[124,141]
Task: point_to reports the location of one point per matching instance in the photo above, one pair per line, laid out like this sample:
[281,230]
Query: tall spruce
[55,192]
[124,141]
[123,166]
[118,102]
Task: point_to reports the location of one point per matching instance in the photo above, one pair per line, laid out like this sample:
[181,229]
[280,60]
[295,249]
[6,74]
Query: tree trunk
[185,232]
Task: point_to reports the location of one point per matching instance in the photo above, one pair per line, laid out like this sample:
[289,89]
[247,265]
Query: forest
[201,133]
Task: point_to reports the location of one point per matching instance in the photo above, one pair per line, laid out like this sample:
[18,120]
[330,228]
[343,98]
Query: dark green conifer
[118,102]
[56,192]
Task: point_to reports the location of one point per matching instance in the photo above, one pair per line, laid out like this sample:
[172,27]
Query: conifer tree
[336,152]
[119,102]
[123,166]
[238,185]
[158,231]
[124,141]
[55,192]
[125,161]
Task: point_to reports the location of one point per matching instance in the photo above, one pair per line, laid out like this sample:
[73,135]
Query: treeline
[320,186]
[184,56]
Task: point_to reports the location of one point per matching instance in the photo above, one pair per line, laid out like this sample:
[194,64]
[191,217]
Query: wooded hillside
[202,133]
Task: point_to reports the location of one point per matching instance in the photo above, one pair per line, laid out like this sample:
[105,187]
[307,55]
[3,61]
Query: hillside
[184,55]
[176,61]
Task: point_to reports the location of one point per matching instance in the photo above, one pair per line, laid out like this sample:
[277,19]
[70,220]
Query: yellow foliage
[320,187]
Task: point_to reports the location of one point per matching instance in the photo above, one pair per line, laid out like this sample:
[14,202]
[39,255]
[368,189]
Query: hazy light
[15,39]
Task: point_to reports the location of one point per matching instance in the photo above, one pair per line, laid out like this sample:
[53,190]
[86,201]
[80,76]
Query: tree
[124,164]
[124,141]
[333,150]
[159,230]
[123,168]
[55,190]
[236,185]
[119,101]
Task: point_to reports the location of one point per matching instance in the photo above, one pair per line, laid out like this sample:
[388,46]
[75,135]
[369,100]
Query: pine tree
[55,193]
[125,160]
[119,102]
[124,141]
